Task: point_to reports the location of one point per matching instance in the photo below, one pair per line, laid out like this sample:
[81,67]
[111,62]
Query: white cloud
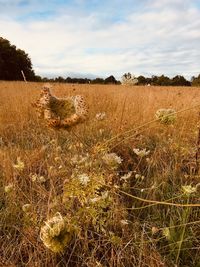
[153,39]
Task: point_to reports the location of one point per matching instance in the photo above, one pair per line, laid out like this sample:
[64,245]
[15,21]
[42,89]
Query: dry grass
[48,153]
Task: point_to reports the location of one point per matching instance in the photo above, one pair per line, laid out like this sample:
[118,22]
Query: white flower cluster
[84,179]
[188,189]
[141,152]
[100,116]
[112,160]
[125,177]
[166,116]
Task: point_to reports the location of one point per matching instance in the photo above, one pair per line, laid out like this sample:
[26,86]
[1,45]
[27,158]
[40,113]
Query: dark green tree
[13,61]
[110,80]
[180,81]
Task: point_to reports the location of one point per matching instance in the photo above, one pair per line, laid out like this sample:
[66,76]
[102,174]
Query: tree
[141,80]
[196,81]
[110,80]
[180,81]
[13,61]
[129,79]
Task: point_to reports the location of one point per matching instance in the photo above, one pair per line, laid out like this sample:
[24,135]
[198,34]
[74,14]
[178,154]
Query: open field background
[128,231]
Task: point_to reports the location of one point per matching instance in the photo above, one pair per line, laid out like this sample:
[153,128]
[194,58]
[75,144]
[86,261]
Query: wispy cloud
[106,37]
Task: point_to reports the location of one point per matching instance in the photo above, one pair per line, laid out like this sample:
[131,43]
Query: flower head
[55,234]
[141,152]
[125,177]
[166,116]
[83,179]
[188,189]
[112,160]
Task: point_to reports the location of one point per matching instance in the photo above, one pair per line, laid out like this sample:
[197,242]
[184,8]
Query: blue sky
[99,38]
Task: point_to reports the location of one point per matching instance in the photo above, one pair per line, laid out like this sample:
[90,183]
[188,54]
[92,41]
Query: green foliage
[13,61]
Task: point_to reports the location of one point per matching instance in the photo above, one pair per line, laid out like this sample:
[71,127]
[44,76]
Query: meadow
[121,189]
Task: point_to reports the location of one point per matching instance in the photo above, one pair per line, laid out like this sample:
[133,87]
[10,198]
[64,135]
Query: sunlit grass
[121,189]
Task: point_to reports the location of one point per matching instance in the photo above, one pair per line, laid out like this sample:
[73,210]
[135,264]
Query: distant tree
[196,81]
[60,79]
[110,80]
[180,81]
[163,81]
[142,80]
[98,81]
[129,79]
[13,61]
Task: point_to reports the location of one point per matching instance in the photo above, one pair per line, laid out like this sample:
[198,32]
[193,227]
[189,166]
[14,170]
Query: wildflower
[188,189]
[55,234]
[141,152]
[112,160]
[124,222]
[100,116]
[166,116]
[8,188]
[83,179]
[125,177]
[26,207]
[20,165]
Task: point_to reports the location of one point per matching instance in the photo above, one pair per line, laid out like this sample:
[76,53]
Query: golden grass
[48,153]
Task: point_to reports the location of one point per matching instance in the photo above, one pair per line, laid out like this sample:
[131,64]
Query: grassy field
[85,196]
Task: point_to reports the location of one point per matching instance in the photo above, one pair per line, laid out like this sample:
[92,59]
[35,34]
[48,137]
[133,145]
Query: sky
[99,38]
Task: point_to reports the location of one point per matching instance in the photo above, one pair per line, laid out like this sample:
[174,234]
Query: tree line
[13,61]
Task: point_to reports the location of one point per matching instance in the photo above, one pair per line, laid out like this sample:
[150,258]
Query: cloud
[107,37]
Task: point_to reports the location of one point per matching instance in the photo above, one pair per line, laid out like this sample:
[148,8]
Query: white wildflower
[125,177]
[188,189]
[100,116]
[112,160]
[84,179]
[19,165]
[166,116]
[141,152]
[8,188]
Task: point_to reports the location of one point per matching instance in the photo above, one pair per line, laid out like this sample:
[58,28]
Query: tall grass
[139,212]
